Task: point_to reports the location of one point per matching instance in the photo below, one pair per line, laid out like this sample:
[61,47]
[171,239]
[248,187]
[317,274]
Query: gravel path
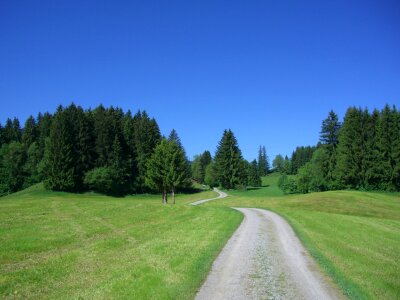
[221,195]
[264,259]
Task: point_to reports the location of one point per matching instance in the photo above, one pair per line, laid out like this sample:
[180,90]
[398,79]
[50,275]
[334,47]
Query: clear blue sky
[269,70]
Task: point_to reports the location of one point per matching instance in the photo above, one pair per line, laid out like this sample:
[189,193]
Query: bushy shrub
[100,180]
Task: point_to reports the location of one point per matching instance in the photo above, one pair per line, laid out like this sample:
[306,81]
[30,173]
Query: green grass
[67,246]
[355,236]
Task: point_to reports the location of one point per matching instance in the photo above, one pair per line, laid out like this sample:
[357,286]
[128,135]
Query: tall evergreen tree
[119,167]
[30,134]
[229,162]
[329,138]
[263,164]
[388,136]
[60,174]
[44,126]
[147,136]
[350,150]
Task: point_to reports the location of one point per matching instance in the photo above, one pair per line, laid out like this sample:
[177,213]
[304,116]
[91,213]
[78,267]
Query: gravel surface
[221,195]
[264,259]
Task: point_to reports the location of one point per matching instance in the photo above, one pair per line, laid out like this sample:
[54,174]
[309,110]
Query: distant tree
[229,162]
[199,166]
[286,165]
[211,175]
[12,131]
[178,171]
[263,164]
[3,171]
[254,178]
[173,137]
[300,157]
[278,163]
[30,133]
[43,127]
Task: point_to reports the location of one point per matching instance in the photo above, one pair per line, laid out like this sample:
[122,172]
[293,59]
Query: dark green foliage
[388,143]
[230,166]
[12,131]
[199,166]
[158,168]
[254,178]
[2,140]
[365,155]
[30,132]
[100,180]
[146,136]
[3,171]
[14,160]
[329,138]
[167,168]
[31,167]
[300,157]
[263,163]
[210,177]
[60,172]
[44,127]
[119,168]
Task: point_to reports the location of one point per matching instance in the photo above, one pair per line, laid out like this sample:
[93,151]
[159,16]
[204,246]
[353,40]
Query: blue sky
[269,70]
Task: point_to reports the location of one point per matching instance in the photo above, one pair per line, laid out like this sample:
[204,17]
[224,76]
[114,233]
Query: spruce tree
[158,167]
[147,136]
[229,162]
[263,165]
[29,134]
[119,168]
[350,150]
[178,170]
[60,173]
[329,138]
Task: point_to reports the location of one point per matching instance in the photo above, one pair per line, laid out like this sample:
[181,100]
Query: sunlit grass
[60,245]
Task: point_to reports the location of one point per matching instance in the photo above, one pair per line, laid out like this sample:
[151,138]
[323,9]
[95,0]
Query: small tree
[158,168]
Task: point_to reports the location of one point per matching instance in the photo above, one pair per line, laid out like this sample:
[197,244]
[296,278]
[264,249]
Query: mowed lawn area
[355,236]
[60,245]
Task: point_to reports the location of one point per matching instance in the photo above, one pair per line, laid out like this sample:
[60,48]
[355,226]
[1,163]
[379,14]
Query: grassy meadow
[68,246]
[355,236]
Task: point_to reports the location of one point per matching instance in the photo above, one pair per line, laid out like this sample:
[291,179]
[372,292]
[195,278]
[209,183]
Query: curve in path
[220,196]
[264,259]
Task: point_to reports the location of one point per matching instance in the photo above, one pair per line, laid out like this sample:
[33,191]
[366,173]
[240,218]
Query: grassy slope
[60,245]
[355,236]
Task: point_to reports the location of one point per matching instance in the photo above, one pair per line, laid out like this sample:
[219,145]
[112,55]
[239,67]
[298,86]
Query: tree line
[362,152]
[112,152]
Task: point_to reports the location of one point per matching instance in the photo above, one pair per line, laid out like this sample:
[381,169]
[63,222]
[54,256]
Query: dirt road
[264,259]
[221,195]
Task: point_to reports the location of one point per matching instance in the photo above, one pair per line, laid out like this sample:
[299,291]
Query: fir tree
[147,136]
[14,161]
[263,164]
[329,138]
[229,162]
[29,134]
[60,173]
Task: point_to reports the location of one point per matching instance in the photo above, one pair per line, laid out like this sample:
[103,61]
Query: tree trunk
[173,195]
[165,200]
